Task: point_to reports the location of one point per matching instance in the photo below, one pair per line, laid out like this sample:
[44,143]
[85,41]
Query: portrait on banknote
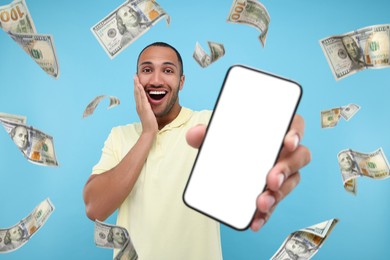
[129,23]
[19,135]
[116,237]
[13,238]
[297,248]
[354,52]
[347,165]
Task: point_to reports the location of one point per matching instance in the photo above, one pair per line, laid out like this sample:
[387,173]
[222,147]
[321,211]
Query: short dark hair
[164,44]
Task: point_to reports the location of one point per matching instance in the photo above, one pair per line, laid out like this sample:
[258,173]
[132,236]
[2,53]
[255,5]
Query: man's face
[296,247]
[127,16]
[118,236]
[20,137]
[159,73]
[15,233]
[345,162]
[352,47]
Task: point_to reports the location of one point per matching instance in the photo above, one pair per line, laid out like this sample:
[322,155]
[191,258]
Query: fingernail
[296,141]
[280,179]
[261,223]
[269,201]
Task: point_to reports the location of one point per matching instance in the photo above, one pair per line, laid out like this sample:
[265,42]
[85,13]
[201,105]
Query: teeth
[154,92]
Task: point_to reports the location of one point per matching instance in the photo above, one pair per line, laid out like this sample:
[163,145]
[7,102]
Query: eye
[168,70]
[146,70]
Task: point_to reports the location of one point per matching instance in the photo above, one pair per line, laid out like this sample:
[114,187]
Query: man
[145,166]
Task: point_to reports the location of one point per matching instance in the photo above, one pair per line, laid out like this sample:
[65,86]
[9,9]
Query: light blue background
[292,50]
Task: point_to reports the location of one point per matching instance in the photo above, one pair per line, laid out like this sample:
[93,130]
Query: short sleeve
[109,158]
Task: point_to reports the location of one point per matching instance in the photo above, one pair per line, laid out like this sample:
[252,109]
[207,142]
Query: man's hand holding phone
[282,178]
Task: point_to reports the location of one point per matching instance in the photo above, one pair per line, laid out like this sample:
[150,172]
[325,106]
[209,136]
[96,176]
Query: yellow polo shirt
[159,223]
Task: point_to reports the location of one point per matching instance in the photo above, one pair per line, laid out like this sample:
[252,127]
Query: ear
[181,83]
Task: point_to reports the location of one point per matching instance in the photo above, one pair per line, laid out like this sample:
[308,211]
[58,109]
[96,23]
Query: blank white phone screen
[243,140]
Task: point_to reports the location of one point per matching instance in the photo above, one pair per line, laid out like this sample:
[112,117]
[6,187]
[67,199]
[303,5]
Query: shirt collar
[184,115]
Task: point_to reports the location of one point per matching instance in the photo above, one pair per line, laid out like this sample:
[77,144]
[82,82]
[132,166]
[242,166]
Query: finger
[295,134]
[140,96]
[287,166]
[266,204]
[195,135]
[268,200]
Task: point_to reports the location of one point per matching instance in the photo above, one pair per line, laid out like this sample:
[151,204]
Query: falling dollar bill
[114,101]
[368,47]
[41,49]
[13,118]
[16,21]
[36,146]
[355,164]
[330,117]
[16,18]
[217,51]
[348,111]
[111,236]
[305,243]
[253,13]
[16,236]
[127,23]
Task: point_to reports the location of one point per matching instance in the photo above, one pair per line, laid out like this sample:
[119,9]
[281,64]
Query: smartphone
[245,134]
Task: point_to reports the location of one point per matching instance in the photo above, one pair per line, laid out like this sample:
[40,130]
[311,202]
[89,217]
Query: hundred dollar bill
[13,118]
[16,236]
[253,13]
[16,18]
[217,51]
[41,49]
[368,47]
[354,164]
[36,146]
[348,111]
[111,236]
[114,101]
[330,117]
[305,243]
[127,23]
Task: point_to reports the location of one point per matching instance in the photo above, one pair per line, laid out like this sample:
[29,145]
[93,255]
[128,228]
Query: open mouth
[157,94]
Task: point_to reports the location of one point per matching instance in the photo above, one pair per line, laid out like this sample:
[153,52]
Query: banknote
[16,236]
[16,21]
[114,101]
[330,117]
[111,236]
[368,47]
[16,18]
[13,118]
[36,146]
[354,164]
[40,47]
[125,24]
[348,111]
[305,243]
[217,50]
[253,13]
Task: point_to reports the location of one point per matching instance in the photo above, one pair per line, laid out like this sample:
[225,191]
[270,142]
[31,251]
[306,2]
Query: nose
[156,79]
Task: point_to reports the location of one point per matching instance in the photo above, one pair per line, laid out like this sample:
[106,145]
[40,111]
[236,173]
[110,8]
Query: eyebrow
[164,63]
